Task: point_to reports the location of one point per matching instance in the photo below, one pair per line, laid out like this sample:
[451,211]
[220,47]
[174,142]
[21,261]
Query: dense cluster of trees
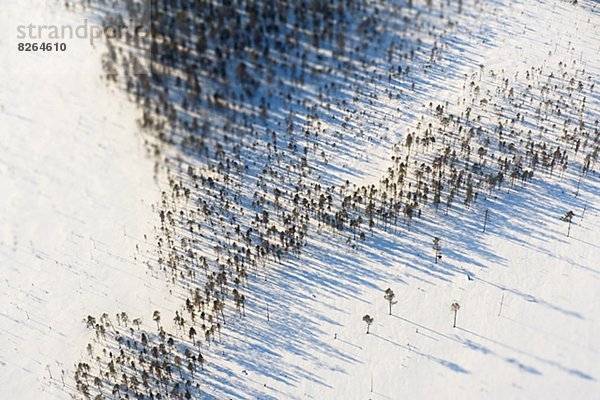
[249,105]
[128,363]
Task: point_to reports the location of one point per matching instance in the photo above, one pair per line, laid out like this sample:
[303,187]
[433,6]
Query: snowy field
[78,222]
[77,193]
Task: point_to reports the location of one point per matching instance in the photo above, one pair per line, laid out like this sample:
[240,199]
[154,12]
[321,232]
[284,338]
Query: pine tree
[455,307]
[156,318]
[390,296]
[485,219]
[568,217]
[437,247]
[368,320]
[192,334]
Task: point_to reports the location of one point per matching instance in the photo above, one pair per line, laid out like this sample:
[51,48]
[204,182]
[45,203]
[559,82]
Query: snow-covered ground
[527,322]
[76,198]
[77,193]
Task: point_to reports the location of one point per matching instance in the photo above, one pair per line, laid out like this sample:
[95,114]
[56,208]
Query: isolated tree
[368,320]
[124,318]
[192,335]
[455,307]
[156,318]
[485,219]
[191,367]
[390,296]
[137,323]
[437,247]
[568,217]
[201,360]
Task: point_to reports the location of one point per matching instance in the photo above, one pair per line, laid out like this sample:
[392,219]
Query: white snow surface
[77,191]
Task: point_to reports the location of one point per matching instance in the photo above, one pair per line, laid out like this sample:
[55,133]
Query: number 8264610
[45,46]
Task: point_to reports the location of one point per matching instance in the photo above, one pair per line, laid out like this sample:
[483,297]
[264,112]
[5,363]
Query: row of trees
[390,297]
